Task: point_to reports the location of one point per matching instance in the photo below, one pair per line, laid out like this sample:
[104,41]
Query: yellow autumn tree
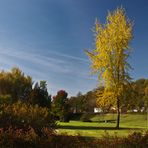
[109,58]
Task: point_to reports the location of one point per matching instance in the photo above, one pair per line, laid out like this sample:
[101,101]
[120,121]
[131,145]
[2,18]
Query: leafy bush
[76,116]
[137,140]
[28,138]
[22,115]
[5,99]
[18,138]
[86,117]
[133,140]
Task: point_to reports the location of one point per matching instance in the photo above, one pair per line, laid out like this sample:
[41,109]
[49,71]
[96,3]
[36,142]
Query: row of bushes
[11,138]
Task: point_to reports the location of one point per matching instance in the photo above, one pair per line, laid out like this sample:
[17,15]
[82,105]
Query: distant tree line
[83,102]
[135,97]
[140,94]
[16,86]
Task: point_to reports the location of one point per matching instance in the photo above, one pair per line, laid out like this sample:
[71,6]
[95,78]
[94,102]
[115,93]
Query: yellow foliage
[109,58]
[106,99]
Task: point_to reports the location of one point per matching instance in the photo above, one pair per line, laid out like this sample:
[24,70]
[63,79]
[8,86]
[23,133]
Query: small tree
[39,95]
[109,57]
[60,105]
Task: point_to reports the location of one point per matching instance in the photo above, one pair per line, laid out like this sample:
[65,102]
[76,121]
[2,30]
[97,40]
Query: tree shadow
[93,128]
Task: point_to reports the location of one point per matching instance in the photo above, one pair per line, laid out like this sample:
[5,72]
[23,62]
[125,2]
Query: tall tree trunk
[118,102]
[118,113]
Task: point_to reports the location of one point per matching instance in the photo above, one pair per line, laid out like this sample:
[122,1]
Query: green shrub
[86,117]
[7,99]
[75,116]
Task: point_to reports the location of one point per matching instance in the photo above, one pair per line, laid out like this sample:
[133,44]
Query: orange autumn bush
[22,116]
[29,139]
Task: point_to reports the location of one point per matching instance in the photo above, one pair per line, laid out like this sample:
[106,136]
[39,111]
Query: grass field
[129,123]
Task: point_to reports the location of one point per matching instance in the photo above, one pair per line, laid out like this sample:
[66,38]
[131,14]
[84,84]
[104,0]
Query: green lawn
[129,123]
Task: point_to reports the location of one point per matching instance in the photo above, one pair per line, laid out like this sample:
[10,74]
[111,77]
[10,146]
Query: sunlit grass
[129,123]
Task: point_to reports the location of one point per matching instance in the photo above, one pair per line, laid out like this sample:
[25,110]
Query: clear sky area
[46,39]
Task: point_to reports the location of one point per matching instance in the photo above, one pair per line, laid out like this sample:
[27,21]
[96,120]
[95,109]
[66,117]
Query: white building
[97,110]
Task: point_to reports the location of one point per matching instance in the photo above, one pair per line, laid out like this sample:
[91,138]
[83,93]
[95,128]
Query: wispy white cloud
[60,70]
[56,61]
[70,56]
[35,59]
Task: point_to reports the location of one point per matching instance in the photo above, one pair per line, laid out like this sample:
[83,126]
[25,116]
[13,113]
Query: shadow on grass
[93,128]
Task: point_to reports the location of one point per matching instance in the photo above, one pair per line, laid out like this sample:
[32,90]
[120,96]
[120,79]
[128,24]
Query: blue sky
[47,38]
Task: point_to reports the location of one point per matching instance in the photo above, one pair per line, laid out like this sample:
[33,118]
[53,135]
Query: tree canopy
[15,83]
[60,105]
[109,58]
[16,86]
